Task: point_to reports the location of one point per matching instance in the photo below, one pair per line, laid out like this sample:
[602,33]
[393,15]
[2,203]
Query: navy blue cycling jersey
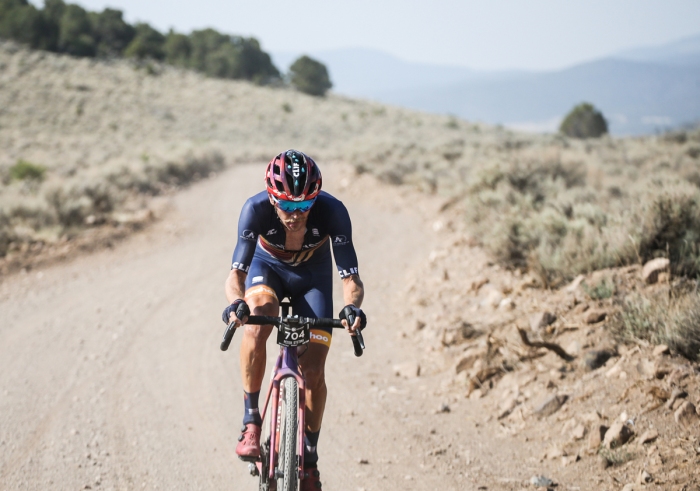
[328,224]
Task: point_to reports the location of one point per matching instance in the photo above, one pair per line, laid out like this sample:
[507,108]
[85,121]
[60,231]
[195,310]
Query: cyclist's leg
[316,302]
[263,286]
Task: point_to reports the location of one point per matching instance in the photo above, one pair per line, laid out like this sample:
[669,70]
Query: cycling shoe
[248,447]
[311,480]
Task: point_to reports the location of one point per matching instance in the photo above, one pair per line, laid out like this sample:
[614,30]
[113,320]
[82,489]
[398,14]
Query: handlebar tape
[228,336]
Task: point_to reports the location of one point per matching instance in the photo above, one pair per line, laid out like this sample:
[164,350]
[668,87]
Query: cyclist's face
[293,221]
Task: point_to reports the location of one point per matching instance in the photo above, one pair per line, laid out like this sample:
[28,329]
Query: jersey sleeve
[341,240]
[247,238]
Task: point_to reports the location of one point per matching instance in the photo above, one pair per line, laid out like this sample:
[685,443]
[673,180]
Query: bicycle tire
[288,462]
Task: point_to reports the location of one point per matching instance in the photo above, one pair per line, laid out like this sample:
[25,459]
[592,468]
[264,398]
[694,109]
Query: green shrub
[147,43]
[72,205]
[584,121]
[178,49]
[310,76]
[27,171]
[111,33]
[672,320]
[75,32]
[223,56]
[68,28]
[21,21]
[191,168]
[605,288]
[671,227]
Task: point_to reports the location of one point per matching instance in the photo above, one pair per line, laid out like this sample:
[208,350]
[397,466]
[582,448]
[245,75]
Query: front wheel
[288,462]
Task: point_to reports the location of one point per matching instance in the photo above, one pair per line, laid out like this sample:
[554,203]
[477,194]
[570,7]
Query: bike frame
[287,365]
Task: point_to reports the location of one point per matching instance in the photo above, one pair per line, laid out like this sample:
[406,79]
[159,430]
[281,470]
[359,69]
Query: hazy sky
[481,34]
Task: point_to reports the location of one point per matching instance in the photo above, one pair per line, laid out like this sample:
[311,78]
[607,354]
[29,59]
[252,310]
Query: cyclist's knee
[258,334]
[315,377]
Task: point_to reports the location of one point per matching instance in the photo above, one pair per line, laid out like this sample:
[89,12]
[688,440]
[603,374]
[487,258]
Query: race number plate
[293,336]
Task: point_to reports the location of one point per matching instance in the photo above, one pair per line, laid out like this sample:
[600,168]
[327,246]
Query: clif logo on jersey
[349,272]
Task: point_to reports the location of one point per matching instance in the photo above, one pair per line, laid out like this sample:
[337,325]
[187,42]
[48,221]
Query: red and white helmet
[293,176]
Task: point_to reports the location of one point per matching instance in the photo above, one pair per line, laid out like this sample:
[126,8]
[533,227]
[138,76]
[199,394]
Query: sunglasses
[292,206]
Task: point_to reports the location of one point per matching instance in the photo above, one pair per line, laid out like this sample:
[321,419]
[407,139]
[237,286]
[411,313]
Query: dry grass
[106,132]
[671,318]
[85,140]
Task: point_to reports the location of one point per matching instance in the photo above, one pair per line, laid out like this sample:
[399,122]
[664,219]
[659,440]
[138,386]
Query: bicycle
[281,463]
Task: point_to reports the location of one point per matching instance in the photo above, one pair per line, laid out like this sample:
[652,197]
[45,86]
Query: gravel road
[111,376]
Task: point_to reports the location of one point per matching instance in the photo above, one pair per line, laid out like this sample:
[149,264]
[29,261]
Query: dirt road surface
[111,376]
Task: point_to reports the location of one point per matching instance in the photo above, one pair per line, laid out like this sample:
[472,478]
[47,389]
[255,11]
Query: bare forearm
[235,285]
[353,290]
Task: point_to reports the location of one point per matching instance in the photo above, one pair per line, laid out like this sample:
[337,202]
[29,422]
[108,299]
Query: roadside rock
[595,359]
[540,320]
[644,477]
[573,286]
[675,395]
[677,375]
[541,481]
[506,304]
[507,406]
[645,368]
[651,270]
[478,283]
[578,432]
[493,299]
[662,369]
[595,439]
[581,308]
[618,434]
[550,405]
[648,436]
[554,452]
[686,415]
[661,349]
[594,316]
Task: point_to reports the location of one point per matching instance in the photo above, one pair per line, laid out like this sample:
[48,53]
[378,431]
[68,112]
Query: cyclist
[285,235]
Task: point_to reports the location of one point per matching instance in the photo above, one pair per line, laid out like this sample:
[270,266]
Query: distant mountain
[685,51]
[358,71]
[636,98]
[639,91]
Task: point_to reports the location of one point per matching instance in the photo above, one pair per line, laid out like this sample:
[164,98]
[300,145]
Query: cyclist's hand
[355,314]
[238,311]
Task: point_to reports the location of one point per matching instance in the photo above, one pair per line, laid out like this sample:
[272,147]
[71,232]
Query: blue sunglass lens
[292,206]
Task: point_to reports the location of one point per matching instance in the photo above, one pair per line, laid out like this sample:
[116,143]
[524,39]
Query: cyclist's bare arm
[235,285]
[353,293]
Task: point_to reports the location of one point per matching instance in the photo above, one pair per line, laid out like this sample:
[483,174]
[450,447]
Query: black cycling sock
[310,443]
[252,413]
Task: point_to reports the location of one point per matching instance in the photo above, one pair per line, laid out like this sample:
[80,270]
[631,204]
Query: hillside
[111,133]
